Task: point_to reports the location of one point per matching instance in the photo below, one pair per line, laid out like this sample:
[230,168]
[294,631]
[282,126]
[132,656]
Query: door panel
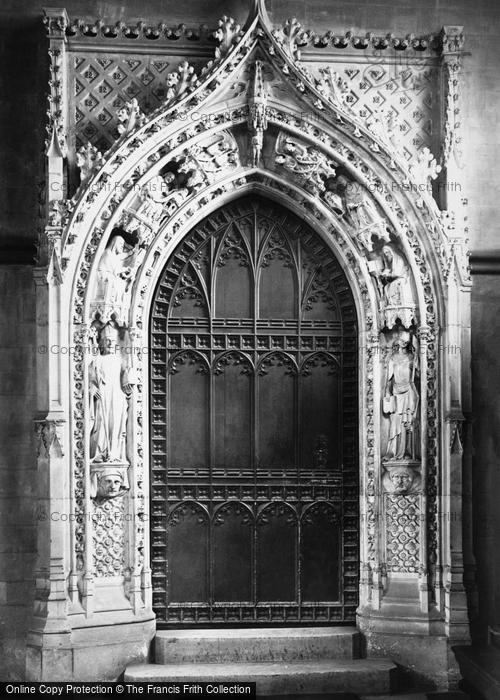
[277,539]
[253,392]
[276,389]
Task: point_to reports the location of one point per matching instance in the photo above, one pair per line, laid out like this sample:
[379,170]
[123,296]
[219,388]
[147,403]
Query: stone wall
[18,478]
[486,432]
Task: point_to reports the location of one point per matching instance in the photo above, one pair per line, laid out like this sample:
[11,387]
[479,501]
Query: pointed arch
[392,249]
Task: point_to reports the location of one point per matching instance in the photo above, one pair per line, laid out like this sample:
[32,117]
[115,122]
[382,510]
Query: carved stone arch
[112,203]
[244,507]
[328,360]
[235,357]
[280,506]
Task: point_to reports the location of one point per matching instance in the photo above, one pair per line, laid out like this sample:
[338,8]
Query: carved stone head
[401,480]
[116,244]
[387,254]
[109,337]
[401,343]
[108,482]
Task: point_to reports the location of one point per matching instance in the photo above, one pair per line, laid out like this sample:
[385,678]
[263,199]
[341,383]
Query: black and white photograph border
[249,290]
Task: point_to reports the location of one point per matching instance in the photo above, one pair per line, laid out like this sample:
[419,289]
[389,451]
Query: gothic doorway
[254,436]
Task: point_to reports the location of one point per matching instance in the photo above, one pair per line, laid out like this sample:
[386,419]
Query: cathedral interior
[249,278]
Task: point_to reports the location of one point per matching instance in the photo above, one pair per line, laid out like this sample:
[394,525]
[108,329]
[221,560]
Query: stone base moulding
[91,653]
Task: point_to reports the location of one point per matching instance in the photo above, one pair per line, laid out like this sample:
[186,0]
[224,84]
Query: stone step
[299,678]
[256,645]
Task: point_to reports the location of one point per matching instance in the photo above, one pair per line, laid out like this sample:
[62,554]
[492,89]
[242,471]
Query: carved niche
[111,380]
[394,281]
[115,272]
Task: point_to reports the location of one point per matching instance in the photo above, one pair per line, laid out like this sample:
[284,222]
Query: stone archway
[106,250]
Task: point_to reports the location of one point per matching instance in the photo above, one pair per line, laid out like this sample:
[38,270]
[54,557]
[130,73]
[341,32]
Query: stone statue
[257,113]
[397,293]
[360,209]
[194,179]
[401,402]
[257,141]
[114,272]
[401,480]
[154,196]
[110,384]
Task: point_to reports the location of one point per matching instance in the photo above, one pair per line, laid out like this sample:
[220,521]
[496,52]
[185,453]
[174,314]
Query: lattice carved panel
[403,532]
[401,95]
[108,519]
[102,83]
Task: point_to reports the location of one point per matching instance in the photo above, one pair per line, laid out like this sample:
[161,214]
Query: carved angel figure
[401,401]
[110,383]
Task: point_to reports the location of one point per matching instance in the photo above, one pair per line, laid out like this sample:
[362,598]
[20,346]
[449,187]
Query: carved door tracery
[253,381]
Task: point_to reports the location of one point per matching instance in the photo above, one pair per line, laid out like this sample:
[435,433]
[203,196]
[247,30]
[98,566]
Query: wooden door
[253,390]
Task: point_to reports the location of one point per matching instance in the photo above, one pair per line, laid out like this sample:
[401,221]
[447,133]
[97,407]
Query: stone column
[49,636]
[455,350]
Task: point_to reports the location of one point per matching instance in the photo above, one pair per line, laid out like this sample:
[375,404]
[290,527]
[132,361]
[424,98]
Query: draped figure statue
[401,402]
[110,384]
[114,271]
